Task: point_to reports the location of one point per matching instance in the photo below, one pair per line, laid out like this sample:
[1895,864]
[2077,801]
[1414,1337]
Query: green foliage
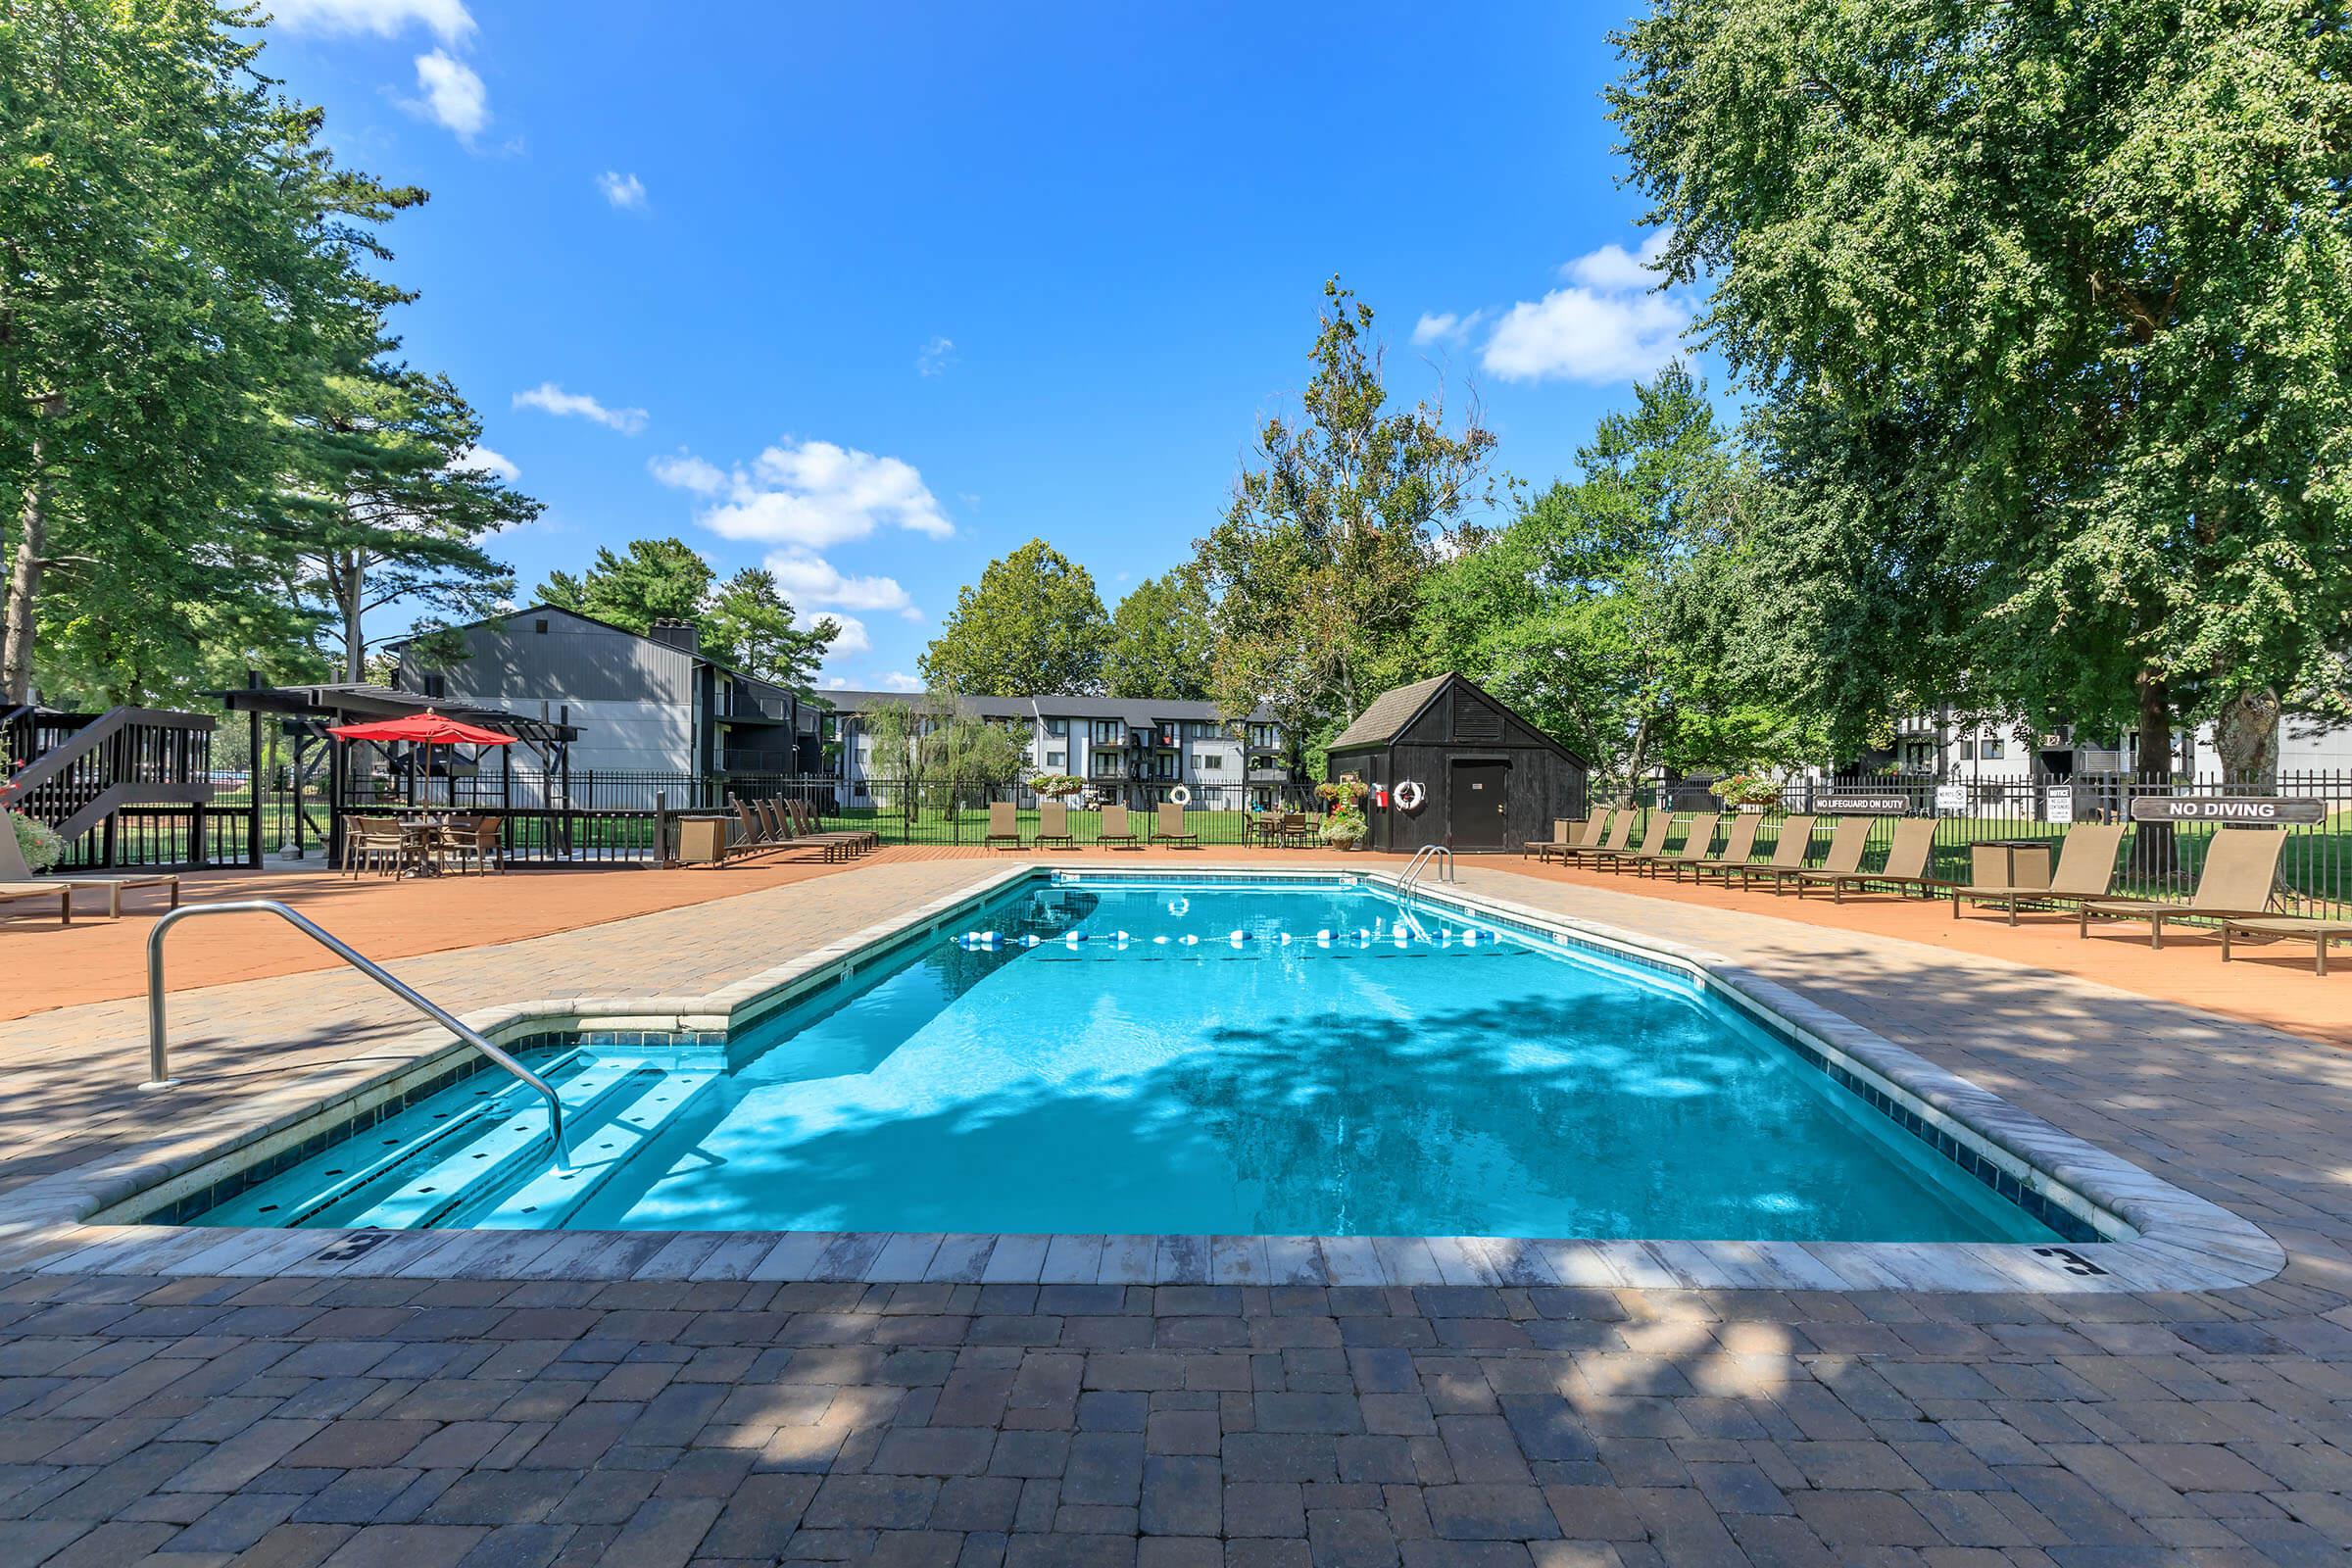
[745,622]
[1317,569]
[1160,641]
[2051,312]
[38,841]
[1033,623]
[939,756]
[1057,786]
[648,580]
[749,624]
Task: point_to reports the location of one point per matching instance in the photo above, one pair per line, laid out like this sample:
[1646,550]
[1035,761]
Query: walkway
[522,1420]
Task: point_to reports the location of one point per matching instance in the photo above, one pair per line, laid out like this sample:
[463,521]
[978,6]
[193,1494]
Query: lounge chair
[755,836]
[1003,826]
[1697,838]
[2241,865]
[17,877]
[1566,833]
[1737,844]
[804,821]
[1848,840]
[1906,870]
[2319,932]
[1654,845]
[1616,837]
[2085,870]
[1117,831]
[1054,826]
[1170,829]
[782,835]
[1795,841]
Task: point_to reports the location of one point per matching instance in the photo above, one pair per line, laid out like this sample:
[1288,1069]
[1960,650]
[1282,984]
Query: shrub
[42,845]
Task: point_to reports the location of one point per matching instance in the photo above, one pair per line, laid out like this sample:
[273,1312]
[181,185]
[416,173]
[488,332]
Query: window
[1107,732]
[1058,758]
[1992,750]
[1103,766]
[539,625]
[1264,735]
[1968,749]
[1058,727]
[1210,762]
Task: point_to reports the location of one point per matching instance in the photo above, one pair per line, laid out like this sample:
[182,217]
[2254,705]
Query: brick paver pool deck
[538,1420]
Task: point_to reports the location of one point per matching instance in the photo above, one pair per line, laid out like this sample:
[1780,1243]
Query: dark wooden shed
[1490,779]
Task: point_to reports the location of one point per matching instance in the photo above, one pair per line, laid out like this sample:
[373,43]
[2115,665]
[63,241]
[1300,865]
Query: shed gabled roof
[1391,712]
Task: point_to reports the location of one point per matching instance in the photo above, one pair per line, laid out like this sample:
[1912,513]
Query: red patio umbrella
[427,729]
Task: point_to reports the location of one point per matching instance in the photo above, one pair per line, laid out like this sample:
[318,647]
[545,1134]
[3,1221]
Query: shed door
[1481,805]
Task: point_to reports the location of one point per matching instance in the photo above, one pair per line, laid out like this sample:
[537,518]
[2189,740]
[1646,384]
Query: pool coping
[64,1223]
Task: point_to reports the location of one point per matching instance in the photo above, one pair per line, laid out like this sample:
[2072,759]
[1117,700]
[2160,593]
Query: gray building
[651,704]
[1130,749]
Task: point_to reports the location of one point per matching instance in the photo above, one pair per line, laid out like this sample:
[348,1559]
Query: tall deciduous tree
[2068,292]
[174,247]
[1160,642]
[1032,623]
[1316,568]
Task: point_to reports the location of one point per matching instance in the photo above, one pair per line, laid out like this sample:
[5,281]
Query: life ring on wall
[1181,795]
[1409,794]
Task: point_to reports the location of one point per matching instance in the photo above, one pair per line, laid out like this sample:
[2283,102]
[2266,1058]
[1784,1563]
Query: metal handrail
[1421,858]
[158,1054]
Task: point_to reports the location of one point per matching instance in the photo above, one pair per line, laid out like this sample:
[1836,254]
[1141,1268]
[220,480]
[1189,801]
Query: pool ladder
[159,1052]
[1413,868]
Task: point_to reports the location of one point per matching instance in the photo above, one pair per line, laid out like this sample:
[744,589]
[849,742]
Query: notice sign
[1951,797]
[1862,804]
[2258,810]
[2062,805]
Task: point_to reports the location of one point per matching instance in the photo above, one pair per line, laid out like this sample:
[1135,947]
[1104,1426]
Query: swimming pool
[1115,1054]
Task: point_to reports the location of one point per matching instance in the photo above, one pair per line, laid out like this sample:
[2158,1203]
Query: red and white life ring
[1409,794]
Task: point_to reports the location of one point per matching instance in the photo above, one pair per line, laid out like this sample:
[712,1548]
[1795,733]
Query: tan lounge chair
[1054,826]
[2317,931]
[1614,842]
[1653,843]
[1906,870]
[782,835]
[1848,840]
[2241,865]
[1118,832]
[804,823]
[1170,829]
[1697,839]
[2085,870]
[1566,833]
[17,877]
[1003,826]
[755,835]
[1795,841]
[1737,844]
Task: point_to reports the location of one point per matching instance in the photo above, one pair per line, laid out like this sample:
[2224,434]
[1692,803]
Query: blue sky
[873,294]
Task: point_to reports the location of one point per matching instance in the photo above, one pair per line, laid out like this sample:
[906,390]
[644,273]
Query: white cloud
[624,191]
[1447,328]
[386,19]
[812,581]
[935,356]
[1611,324]
[549,398]
[852,638]
[686,472]
[496,463]
[897,681]
[812,493]
[837,683]
[453,95]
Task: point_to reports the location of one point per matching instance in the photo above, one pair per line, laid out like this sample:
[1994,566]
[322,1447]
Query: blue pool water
[1159,1077]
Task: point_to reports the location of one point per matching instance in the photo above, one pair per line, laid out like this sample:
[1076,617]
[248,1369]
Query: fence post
[662,827]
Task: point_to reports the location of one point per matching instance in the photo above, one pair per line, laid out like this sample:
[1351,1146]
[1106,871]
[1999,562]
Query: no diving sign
[2254,809]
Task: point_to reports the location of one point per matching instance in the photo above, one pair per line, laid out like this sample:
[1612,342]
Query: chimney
[678,634]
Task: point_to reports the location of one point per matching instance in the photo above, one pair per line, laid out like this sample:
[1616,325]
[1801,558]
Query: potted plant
[41,844]
[1344,829]
[1057,786]
[1746,791]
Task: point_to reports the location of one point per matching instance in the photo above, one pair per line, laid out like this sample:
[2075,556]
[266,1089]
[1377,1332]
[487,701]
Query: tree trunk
[351,581]
[1633,757]
[18,621]
[2246,734]
[2154,852]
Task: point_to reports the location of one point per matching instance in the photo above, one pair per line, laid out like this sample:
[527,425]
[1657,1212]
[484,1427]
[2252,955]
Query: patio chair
[1737,844]
[1788,857]
[2085,870]
[17,878]
[1118,832]
[1003,826]
[1906,868]
[481,841]
[1614,842]
[2317,931]
[753,834]
[1653,843]
[788,834]
[1565,831]
[1601,828]
[2242,865]
[1054,826]
[371,842]
[1848,840]
[1697,839]
[1171,829]
[805,825]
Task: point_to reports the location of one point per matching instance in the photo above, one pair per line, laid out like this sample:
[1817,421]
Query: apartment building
[1126,749]
[1948,745]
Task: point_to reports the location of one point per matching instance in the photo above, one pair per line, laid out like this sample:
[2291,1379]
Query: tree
[1315,571]
[749,624]
[653,579]
[1033,623]
[391,500]
[1160,642]
[2072,288]
[174,247]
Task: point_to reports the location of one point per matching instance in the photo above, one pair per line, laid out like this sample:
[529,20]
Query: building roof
[697,654]
[1391,712]
[340,702]
[1136,713]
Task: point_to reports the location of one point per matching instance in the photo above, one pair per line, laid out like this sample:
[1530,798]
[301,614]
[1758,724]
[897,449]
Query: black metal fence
[2159,860]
